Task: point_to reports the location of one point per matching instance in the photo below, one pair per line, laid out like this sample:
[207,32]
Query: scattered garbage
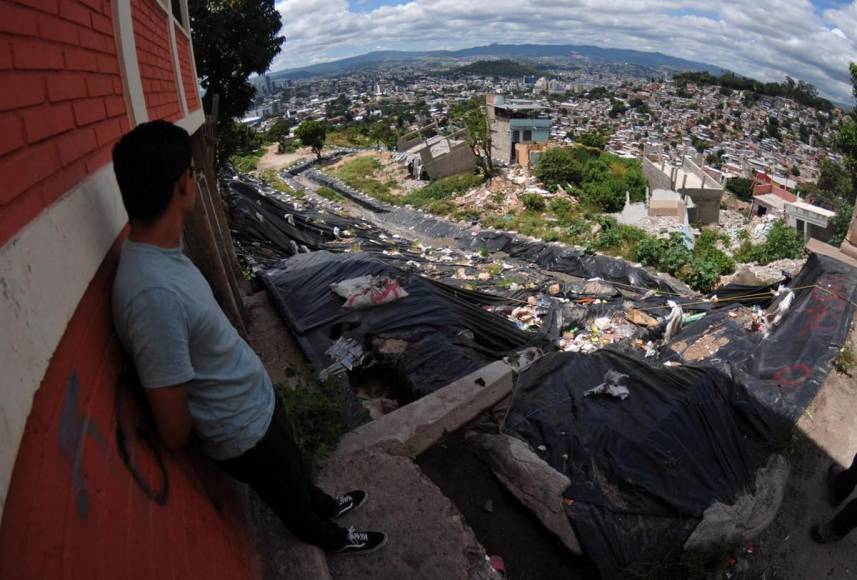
[368,290]
[610,386]
[674,320]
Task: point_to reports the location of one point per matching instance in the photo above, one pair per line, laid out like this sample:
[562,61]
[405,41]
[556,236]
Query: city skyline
[766,40]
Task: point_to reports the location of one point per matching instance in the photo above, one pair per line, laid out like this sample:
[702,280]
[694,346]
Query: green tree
[312,134]
[593,139]
[741,187]
[835,181]
[232,39]
[471,116]
[380,132]
[280,129]
[559,166]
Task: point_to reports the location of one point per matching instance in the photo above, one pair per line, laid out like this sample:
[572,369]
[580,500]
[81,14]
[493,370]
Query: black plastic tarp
[785,370]
[448,334]
[642,469]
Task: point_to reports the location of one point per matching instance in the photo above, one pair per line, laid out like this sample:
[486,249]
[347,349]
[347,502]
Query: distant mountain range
[371,60]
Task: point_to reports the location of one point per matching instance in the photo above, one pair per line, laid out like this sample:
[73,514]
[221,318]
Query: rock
[484,276]
[554,289]
[595,229]
[530,479]
[748,516]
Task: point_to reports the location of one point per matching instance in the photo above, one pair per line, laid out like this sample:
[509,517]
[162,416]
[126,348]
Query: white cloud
[766,39]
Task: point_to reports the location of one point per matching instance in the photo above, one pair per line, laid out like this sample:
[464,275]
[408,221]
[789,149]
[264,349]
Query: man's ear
[183,184]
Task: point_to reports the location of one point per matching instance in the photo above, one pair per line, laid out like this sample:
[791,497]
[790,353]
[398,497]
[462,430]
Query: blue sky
[767,39]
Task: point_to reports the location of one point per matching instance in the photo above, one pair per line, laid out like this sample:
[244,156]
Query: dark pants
[275,470]
[846,519]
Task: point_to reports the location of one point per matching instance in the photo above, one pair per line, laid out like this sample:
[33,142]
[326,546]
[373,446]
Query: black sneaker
[349,502]
[362,542]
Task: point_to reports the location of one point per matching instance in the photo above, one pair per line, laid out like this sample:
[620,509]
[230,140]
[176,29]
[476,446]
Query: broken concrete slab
[748,516]
[530,479]
[420,424]
[428,537]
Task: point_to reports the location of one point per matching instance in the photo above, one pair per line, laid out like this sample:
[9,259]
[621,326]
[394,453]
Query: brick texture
[155,58]
[58,60]
[93,495]
[188,77]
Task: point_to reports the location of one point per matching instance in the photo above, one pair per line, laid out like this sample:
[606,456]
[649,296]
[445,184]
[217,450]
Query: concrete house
[518,127]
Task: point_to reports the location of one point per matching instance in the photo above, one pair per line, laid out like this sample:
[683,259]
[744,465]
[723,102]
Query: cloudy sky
[765,39]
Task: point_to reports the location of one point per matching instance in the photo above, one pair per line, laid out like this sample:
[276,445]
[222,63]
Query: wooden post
[206,241]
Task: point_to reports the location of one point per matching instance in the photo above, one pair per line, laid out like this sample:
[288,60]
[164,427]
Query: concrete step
[428,537]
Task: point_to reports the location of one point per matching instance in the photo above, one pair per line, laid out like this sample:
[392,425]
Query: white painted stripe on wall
[127,45]
[44,272]
[177,65]
[192,122]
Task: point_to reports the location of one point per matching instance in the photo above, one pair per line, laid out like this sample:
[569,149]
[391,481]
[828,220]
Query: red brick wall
[188,76]
[61,103]
[93,495]
[155,58]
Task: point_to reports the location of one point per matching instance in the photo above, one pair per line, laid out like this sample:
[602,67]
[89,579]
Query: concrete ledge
[422,423]
[817,247]
[530,479]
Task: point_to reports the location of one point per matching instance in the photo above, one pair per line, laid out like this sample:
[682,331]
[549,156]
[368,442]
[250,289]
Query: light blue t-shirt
[168,320]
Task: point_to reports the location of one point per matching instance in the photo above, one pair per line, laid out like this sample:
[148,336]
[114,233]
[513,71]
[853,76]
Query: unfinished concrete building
[435,156]
[519,129]
[690,181]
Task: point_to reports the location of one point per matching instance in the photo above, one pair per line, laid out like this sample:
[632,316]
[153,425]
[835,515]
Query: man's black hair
[148,161]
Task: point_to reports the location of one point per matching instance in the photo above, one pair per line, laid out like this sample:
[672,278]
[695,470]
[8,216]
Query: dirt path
[275,161]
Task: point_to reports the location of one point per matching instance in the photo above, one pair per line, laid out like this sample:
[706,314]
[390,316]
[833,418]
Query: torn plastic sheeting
[686,438]
[448,336]
[365,291]
[786,370]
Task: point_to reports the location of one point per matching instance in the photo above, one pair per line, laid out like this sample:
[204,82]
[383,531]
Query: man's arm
[172,416]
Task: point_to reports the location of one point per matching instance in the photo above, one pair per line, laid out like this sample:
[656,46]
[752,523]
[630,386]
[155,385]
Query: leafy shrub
[703,274]
[649,251]
[315,417]
[559,166]
[533,201]
[783,242]
[562,209]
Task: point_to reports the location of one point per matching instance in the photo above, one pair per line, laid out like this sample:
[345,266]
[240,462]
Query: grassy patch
[844,361]
[328,193]
[247,161]
[315,417]
[442,189]
[274,179]
[350,137]
[360,172]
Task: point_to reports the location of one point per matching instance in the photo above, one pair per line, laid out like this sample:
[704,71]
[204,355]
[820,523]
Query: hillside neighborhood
[512,311]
